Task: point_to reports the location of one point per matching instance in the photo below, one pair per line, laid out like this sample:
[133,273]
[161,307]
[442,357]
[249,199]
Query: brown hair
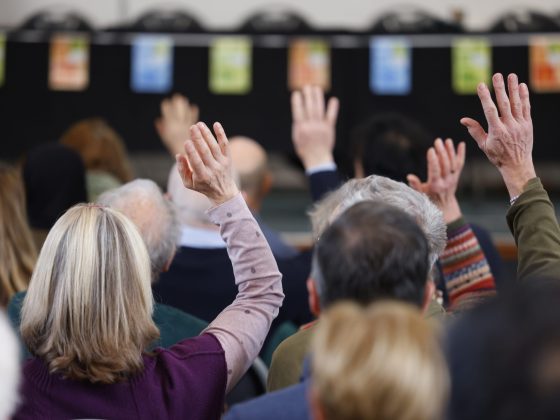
[382,362]
[100,147]
[88,310]
[17,249]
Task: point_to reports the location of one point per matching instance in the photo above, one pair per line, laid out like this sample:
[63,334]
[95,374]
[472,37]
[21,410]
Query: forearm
[533,223]
[467,275]
[242,327]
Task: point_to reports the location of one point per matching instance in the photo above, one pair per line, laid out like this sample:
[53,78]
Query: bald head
[251,164]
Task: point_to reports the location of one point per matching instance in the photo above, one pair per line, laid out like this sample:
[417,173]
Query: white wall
[229,13]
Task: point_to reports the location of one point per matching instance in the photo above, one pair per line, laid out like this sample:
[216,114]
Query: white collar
[193,237]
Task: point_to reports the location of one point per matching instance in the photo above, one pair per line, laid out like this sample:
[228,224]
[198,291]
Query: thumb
[475,130]
[414,182]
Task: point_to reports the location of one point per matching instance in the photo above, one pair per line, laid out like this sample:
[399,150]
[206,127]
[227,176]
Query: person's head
[191,205]
[381,362]
[504,356]
[100,147]
[17,249]
[250,162]
[54,180]
[142,202]
[372,251]
[385,190]
[88,309]
[390,145]
[9,369]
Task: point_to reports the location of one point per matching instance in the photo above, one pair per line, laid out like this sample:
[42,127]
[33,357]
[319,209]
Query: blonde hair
[88,310]
[100,147]
[17,249]
[383,362]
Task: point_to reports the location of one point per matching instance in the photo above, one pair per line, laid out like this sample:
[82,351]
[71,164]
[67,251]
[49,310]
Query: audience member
[17,249]
[383,362]
[89,332]
[373,251]
[103,152]
[9,370]
[255,180]
[54,180]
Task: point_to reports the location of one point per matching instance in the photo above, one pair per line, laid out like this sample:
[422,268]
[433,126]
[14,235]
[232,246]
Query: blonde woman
[87,316]
[17,249]
[383,362]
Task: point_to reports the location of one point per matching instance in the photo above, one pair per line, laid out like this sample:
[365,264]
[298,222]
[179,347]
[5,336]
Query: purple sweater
[190,379]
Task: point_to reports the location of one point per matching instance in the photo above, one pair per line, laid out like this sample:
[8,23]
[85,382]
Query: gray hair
[155,216]
[379,188]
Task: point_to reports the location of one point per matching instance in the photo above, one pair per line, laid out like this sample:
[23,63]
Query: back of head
[504,356]
[383,362]
[17,250]
[54,178]
[88,310]
[391,145]
[9,369]
[385,190]
[250,162]
[191,205]
[100,147]
[372,251]
[142,202]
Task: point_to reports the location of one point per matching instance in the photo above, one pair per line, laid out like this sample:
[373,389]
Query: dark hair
[504,356]
[391,145]
[372,251]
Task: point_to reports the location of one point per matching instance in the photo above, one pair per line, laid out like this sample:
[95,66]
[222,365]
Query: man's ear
[429,291]
[313,296]
[358,169]
[266,185]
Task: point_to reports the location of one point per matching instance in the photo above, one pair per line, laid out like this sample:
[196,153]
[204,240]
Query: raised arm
[467,275]
[508,145]
[174,123]
[241,327]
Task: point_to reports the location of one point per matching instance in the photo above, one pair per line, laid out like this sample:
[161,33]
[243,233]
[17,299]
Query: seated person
[88,335]
[383,362]
[387,145]
[373,251]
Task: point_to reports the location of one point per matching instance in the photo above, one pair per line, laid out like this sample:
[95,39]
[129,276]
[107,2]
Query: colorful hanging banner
[231,66]
[471,63]
[2,59]
[151,68]
[309,63]
[69,62]
[390,64]
[544,64]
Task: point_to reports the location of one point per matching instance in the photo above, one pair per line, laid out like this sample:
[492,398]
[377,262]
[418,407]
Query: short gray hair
[380,188]
[155,216]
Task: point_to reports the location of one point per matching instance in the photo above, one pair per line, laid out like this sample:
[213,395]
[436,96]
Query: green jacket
[174,325]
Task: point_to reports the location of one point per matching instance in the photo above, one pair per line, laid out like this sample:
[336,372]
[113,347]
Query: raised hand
[508,144]
[177,116]
[206,165]
[313,126]
[444,170]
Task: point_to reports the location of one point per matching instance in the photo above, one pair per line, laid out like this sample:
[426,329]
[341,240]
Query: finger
[199,144]
[165,108]
[158,123]
[460,157]
[514,99]
[475,130]
[298,112]
[180,106]
[414,182]
[488,106]
[525,102]
[332,111]
[195,112]
[309,103]
[223,141]
[455,164]
[195,162]
[184,170]
[210,141]
[434,170]
[501,95]
[319,101]
[443,158]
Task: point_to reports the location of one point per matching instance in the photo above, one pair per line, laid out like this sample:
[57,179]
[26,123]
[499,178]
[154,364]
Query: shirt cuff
[234,208]
[329,166]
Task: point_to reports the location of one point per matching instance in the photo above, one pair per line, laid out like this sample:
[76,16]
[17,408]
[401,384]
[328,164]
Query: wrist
[516,178]
[451,210]
[310,162]
[224,196]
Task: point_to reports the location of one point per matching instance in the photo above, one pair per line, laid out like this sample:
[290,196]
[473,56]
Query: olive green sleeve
[533,223]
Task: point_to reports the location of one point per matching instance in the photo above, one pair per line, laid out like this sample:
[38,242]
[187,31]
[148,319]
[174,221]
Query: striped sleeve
[466,272]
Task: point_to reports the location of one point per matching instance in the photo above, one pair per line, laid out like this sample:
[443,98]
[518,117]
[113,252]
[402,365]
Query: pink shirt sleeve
[242,327]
